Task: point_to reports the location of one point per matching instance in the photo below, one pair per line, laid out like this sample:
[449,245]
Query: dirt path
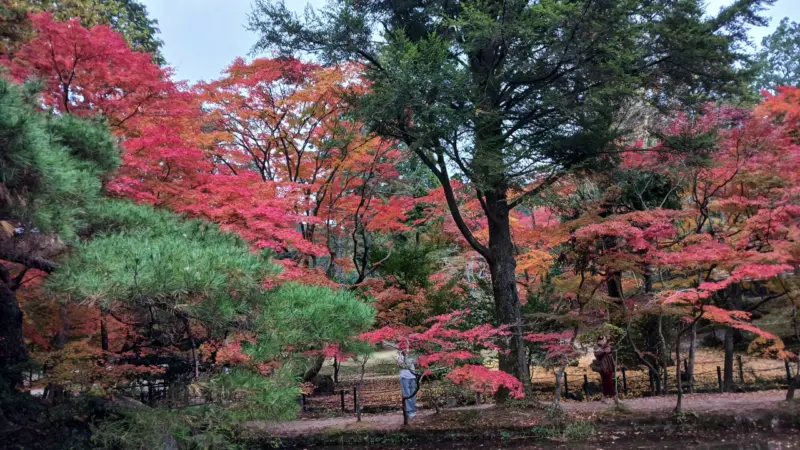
[394,421]
[696,402]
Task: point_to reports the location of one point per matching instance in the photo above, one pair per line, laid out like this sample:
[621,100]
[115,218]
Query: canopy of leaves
[301,318]
[166,263]
[504,90]
[778,61]
[127,17]
[50,166]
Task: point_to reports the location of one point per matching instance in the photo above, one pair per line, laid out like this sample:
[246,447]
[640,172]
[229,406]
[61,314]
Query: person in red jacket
[604,365]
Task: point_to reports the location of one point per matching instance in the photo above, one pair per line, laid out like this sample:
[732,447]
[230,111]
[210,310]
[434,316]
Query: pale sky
[202,37]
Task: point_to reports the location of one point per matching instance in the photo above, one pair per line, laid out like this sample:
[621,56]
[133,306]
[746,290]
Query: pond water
[778,440]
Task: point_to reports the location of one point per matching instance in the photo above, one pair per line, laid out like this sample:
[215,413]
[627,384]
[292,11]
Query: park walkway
[723,403]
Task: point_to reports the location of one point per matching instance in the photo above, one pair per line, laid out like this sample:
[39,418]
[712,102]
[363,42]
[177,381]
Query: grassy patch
[577,430]
[469,415]
[685,417]
[522,403]
[543,432]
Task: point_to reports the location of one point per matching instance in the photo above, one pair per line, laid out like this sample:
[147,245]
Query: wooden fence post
[719,378]
[624,381]
[303,401]
[341,393]
[788,372]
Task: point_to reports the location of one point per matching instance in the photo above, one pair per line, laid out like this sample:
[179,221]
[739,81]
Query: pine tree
[511,95]
[49,178]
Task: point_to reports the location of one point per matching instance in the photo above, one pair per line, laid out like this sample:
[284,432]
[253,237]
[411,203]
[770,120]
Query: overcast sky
[202,37]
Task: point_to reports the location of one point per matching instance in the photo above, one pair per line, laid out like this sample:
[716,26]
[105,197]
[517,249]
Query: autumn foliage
[270,162]
[445,345]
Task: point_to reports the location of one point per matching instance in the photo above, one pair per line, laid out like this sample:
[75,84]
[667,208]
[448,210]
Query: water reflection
[721,440]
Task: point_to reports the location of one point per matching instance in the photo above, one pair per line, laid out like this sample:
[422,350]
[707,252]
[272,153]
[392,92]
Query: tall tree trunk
[62,336]
[316,366]
[331,271]
[12,344]
[193,343]
[559,383]
[793,383]
[664,355]
[690,369]
[336,366]
[490,177]
[727,383]
[656,380]
[103,330]
[678,382]
[506,298]
[54,393]
[614,285]
[652,369]
[734,301]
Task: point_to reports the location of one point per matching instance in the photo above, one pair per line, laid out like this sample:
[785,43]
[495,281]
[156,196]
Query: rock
[170,443]
[323,384]
[591,389]
[577,396]
[122,403]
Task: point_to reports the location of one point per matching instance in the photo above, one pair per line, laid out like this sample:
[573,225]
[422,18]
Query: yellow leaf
[6,228]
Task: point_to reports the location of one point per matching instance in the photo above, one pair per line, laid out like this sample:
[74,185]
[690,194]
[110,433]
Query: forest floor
[490,416]
[379,390]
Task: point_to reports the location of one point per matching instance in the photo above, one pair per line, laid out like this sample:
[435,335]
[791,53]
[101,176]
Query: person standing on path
[604,365]
[408,381]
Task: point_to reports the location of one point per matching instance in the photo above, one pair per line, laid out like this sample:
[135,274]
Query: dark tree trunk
[559,381]
[794,382]
[506,298]
[678,383]
[336,366]
[103,331]
[652,365]
[55,393]
[727,369]
[312,371]
[331,271]
[734,302]
[193,343]
[648,279]
[62,336]
[489,175]
[12,344]
[613,285]
[655,379]
[690,366]
[664,355]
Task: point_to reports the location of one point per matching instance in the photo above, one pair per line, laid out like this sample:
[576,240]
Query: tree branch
[29,261]
[552,178]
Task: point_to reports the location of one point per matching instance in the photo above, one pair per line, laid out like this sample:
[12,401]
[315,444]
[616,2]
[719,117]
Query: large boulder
[323,384]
